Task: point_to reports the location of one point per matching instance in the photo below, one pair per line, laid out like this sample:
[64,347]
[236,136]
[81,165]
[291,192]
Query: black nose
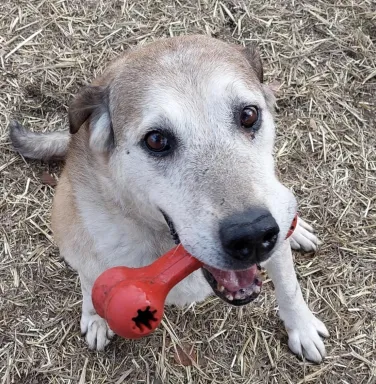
[249,236]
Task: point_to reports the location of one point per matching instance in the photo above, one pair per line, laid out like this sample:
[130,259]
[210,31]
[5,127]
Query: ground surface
[323,57]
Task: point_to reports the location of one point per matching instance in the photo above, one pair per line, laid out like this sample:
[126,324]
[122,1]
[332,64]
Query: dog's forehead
[203,72]
[192,78]
[199,87]
[210,92]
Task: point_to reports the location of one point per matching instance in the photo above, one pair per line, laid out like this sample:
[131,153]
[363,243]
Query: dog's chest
[120,241]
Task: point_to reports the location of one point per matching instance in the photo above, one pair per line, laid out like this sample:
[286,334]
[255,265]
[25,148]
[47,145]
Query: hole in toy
[145,318]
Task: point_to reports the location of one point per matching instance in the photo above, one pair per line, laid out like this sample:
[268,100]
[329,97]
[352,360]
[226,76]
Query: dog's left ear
[253,56]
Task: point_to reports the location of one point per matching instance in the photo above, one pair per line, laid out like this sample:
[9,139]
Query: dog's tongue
[234,280]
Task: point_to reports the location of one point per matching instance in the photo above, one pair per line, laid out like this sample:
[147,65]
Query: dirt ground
[322,57]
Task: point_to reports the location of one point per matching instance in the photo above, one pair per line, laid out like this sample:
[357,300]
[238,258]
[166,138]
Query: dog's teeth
[263,275]
[229,297]
[220,288]
[239,295]
[256,289]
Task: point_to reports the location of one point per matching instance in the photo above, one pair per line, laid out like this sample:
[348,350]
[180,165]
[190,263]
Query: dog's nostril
[269,240]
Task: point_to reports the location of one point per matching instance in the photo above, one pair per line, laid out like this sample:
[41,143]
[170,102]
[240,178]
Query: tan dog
[177,136]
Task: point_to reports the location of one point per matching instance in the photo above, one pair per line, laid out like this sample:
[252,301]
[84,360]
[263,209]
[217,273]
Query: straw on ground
[323,57]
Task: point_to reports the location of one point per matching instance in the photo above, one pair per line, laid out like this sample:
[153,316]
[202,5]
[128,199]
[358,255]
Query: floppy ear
[91,105]
[252,55]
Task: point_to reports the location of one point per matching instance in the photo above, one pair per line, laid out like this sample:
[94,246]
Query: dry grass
[323,55]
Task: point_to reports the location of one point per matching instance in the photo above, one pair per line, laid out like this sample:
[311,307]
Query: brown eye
[156,142]
[249,117]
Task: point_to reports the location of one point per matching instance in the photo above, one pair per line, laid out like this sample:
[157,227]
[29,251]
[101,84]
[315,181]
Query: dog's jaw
[234,287]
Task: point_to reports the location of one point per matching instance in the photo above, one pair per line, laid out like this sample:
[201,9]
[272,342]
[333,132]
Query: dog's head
[186,128]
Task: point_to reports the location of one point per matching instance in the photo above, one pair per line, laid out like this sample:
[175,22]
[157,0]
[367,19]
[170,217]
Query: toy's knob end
[132,310]
[103,286]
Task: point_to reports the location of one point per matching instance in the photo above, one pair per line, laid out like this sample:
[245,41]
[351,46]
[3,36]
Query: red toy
[132,299]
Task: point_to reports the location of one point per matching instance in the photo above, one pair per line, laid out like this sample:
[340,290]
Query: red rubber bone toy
[132,299]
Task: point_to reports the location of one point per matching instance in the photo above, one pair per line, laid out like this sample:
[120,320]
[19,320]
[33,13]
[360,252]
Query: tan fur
[107,206]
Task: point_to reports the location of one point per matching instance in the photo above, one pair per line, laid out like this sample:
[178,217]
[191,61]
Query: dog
[177,137]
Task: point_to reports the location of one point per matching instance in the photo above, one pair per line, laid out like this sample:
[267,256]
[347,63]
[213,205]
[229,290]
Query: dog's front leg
[303,328]
[96,330]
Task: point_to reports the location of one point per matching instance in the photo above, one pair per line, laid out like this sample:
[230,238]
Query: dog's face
[186,127]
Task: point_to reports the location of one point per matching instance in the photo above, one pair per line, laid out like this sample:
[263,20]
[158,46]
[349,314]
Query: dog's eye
[156,142]
[249,117]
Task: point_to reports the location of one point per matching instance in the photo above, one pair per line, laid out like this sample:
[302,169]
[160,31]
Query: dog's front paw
[304,337]
[303,238]
[97,332]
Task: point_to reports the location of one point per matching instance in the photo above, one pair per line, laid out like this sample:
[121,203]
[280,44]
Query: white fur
[303,328]
[218,169]
[100,133]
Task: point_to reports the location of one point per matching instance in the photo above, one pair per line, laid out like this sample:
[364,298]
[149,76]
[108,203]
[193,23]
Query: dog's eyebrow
[238,103]
[161,123]
[240,92]
[230,87]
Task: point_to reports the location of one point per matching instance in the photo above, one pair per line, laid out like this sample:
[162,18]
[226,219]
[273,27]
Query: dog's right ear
[91,106]
[253,57]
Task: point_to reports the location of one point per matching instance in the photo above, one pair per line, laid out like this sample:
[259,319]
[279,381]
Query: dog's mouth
[234,287]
